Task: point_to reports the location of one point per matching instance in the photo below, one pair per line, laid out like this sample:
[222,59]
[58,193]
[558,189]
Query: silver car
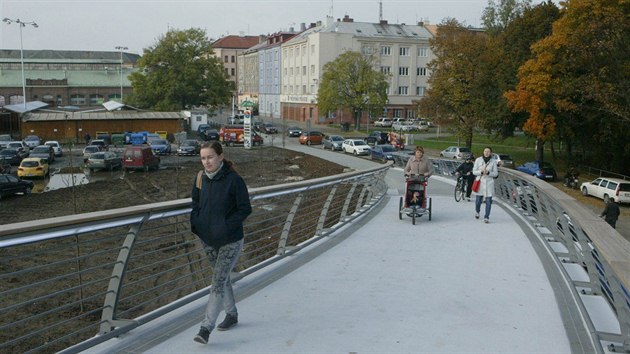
[455,152]
[104,160]
[333,142]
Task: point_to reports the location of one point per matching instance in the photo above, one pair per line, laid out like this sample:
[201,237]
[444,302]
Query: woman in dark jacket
[220,205]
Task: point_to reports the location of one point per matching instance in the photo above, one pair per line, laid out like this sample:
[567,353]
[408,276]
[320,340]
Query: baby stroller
[414,203]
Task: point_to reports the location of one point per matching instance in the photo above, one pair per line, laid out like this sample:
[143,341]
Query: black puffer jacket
[219,209]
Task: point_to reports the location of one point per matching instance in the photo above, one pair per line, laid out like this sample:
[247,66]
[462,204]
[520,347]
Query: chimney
[347,18]
[262,38]
[420,23]
[383,22]
[302,27]
[313,24]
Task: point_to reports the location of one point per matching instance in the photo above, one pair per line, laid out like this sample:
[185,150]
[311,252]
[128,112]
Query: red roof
[236,42]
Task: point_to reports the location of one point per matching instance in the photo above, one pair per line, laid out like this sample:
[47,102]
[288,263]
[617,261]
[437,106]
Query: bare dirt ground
[174,180]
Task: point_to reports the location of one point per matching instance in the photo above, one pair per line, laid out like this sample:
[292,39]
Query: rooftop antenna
[380,11]
[332,5]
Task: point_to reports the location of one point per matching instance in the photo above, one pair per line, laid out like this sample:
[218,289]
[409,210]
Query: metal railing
[591,256]
[64,280]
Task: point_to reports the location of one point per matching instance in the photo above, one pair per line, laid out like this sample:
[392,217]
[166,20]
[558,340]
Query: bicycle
[460,188]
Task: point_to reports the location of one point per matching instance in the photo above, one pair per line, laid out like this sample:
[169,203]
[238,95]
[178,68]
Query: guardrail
[591,256]
[64,280]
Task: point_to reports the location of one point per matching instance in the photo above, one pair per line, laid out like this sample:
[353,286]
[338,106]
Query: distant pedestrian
[611,212]
[486,170]
[87,138]
[220,205]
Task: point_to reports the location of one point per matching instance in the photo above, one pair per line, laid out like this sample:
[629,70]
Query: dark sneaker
[202,336]
[229,322]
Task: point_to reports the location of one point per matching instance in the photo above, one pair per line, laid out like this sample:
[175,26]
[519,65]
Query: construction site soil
[117,189]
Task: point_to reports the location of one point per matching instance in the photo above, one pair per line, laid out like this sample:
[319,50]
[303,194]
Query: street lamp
[21,24]
[121,48]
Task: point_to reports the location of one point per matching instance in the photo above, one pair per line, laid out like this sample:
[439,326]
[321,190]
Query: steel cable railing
[67,279]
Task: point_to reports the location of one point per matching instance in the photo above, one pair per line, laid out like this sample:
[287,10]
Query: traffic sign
[248,114]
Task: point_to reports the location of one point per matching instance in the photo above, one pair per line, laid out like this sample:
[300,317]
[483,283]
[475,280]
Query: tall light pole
[21,24]
[121,48]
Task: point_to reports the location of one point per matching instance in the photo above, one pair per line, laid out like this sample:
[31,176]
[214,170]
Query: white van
[383,122]
[605,188]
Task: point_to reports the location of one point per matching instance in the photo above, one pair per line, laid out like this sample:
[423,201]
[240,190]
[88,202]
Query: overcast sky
[138,24]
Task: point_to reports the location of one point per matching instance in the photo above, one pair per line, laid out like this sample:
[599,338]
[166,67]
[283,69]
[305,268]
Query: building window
[233,72]
[422,71]
[312,69]
[304,89]
[96,99]
[227,71]
[423,52]
[403,90]
[233,59]
[385,69]
[59,100]
[367,50]
[420,91]
[313,89]
[403,71]
[291,71]
[15,99]
[404,51]
[397,113]
[303,50]
[386,50]
[297,51]
[411,114]
[2,101]
[304,70]
[225,59]
[77,100]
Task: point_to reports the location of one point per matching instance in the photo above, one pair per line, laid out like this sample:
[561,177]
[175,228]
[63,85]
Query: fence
[64,280]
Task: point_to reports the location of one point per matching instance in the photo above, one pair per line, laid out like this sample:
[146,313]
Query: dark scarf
[486,159]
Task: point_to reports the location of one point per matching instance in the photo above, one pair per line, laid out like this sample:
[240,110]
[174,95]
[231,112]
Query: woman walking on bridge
[485,168]
[220,205]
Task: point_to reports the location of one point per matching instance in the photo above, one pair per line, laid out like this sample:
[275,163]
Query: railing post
[108,317]
[346,204]
[282,244]
[324,213]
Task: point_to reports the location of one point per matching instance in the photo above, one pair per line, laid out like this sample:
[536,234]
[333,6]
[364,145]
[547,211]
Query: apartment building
[269,59]
[402,50]
[228,49]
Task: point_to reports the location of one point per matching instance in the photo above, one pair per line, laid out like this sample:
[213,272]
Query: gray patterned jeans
[222,261]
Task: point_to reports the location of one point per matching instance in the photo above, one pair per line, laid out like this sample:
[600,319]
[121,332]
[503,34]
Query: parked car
[140,157]
[189,147]
[33,167]
[377,137]
[201,129]
[101,143]
[268,128]
[89,150]
[504,160]
[211,134]
[312,137]
[56,147]
[542,170]
[13,156]
[4,140]
[382,152]
[333,142]
[455,152]
[294,131]
[383,122]
[355,147]
[104,160]
[605,188]
[32,141]
[10,185]
[20,146]
[161,146]
[44,152]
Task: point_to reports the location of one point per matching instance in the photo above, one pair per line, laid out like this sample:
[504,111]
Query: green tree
[498,15]
[461,84]
[352,81]
[179,72]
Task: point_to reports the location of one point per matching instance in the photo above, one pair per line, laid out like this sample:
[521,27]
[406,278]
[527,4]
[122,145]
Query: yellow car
[33,167]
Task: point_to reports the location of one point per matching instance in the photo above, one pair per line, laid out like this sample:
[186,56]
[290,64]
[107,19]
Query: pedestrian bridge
[328,266]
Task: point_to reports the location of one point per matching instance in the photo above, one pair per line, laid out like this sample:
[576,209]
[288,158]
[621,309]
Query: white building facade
[402,50]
